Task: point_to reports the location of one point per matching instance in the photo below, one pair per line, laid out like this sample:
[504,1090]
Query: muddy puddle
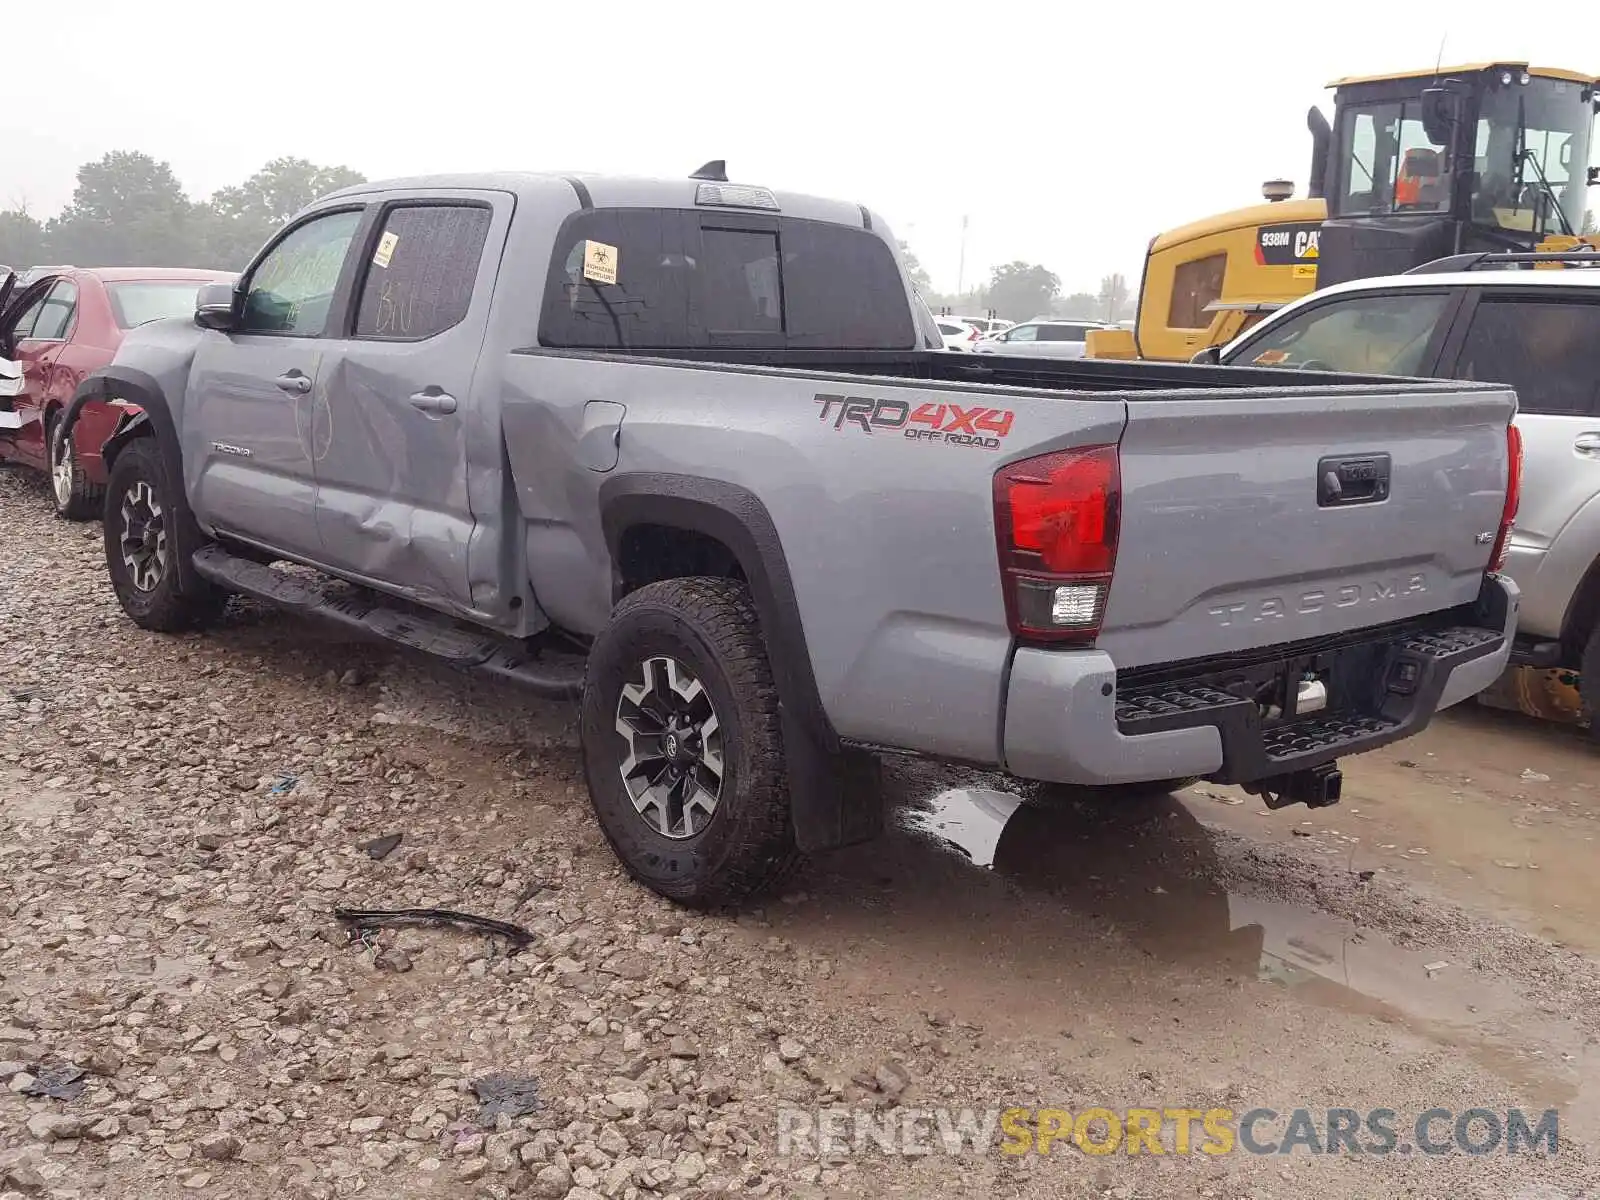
[1147,873]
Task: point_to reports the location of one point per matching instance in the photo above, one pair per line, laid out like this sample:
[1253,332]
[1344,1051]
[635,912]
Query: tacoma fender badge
[236,451]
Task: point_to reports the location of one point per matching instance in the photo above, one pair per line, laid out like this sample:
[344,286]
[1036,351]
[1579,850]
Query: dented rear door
[393,500]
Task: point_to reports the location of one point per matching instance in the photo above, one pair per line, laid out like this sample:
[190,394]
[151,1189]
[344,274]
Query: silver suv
[1489,317]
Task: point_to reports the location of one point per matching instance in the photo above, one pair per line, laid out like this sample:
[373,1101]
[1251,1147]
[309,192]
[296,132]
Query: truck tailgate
[1251,519]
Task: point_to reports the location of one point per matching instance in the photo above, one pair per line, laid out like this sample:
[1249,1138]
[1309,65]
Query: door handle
[433,401]
[294,381]
[1587,443]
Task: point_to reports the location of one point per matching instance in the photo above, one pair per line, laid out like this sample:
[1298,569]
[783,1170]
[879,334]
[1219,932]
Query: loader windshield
[1531,157]
[1387,162]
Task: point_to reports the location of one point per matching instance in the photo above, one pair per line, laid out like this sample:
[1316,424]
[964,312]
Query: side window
[1023,333]
[21,329]
[57,312]
[1373,335]
[1549,352]
[291,291]
[420,279]
[1195,285]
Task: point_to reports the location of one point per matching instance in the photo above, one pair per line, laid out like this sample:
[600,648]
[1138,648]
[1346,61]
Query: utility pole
[961,271]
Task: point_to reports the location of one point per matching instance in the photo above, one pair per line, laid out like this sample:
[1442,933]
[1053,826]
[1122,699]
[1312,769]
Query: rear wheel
[682,747]
[75,498]
[142,548]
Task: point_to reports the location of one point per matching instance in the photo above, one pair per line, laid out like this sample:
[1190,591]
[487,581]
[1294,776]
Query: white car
[988,326]
[958,334]
[1040,339]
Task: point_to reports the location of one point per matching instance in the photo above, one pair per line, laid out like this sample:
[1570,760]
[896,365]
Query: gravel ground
[180,816]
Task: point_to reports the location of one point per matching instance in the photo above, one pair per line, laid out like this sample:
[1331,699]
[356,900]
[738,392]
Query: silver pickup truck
[679,448]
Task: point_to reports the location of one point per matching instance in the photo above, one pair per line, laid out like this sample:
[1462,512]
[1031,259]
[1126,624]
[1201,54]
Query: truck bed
[1068,375]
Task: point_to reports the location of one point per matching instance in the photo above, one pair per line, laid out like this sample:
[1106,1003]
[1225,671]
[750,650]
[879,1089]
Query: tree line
[130,210]
[1020,291]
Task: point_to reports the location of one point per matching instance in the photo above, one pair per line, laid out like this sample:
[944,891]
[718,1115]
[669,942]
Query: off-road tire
[747,845]
[163,607]
[83,500]
[1039,794]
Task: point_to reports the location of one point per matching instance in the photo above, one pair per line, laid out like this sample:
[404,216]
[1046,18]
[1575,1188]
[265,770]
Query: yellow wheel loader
[1415,166]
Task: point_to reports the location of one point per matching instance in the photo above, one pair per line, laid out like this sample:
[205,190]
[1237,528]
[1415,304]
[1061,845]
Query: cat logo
[1292,244]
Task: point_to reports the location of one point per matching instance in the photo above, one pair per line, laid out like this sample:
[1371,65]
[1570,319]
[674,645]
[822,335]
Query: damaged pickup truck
[680,449]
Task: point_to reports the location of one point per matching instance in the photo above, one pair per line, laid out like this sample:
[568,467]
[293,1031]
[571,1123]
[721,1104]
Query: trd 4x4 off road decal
[954,424]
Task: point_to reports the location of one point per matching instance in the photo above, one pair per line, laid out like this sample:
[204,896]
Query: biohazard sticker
[386,245]
[599,262]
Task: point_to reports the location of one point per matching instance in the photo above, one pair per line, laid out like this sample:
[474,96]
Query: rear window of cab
[676,279]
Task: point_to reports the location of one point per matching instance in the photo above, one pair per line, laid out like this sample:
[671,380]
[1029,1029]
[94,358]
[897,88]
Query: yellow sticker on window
[599,262]
[1270,358]
[386,245]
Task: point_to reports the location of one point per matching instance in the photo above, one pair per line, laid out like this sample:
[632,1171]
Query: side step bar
[369,616]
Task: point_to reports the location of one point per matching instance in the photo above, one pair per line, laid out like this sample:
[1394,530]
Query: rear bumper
[1071,718]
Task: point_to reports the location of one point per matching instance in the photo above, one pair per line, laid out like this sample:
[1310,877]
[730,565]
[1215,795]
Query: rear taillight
[976,334]
[1056,519]
[1508,515]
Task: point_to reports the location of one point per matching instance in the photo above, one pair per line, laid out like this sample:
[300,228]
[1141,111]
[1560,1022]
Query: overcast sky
[1069,133]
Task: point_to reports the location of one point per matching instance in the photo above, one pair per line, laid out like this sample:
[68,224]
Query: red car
[62,324]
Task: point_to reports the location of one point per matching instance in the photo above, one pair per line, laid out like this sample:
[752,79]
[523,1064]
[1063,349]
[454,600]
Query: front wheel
[682,748]
[75,498]
[142,547]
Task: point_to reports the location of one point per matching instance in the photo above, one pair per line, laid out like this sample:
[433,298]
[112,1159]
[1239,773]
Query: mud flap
[835,799]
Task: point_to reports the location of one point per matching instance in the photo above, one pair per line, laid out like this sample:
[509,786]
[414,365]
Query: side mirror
[216,307]
[1441,112]
[1211,356]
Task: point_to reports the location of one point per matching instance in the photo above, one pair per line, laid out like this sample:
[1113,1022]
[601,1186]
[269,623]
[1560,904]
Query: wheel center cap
[671,746]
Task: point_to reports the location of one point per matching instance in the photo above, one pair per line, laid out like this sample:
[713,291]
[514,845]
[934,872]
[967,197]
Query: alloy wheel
[61,469]
[673,771]
[144,537]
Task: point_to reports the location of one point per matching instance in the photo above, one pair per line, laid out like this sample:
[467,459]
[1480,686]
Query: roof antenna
[716,171]
[1438,63]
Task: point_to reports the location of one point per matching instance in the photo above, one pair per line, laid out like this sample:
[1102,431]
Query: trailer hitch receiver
[1318,787]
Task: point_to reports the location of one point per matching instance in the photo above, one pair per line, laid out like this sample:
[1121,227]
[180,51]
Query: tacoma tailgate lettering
[1276,607]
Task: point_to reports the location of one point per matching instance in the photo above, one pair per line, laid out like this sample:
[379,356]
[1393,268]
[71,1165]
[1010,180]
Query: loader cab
[1491,157]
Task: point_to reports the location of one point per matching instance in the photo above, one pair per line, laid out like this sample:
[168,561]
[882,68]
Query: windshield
[1532,156]
[135,303]
[1388,164]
